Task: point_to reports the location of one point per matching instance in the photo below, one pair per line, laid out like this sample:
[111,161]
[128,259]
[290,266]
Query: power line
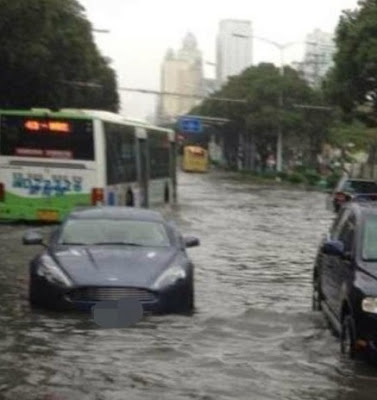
[156,92]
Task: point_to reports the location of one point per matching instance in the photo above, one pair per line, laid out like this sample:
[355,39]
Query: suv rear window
[360,186]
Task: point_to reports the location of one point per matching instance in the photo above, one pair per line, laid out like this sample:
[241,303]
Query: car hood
[114,265]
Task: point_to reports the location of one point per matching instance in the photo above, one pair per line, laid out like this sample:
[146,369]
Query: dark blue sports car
[112,253]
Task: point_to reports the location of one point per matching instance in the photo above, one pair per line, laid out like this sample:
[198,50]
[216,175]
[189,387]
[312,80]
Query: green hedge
[296,177]
[312,177]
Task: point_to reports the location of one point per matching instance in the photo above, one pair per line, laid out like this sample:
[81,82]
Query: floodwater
[253,335]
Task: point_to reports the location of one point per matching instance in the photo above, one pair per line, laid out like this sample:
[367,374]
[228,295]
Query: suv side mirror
[333,248]
[191,241]
[32,238]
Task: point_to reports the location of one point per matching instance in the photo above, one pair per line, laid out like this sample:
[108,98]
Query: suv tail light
[2,191]
[97,196]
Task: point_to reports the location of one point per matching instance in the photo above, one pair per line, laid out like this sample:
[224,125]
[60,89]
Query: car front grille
[111,293]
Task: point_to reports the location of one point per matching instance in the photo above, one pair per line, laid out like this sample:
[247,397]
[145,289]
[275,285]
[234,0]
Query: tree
[353,81]
[259,118]
[46,45]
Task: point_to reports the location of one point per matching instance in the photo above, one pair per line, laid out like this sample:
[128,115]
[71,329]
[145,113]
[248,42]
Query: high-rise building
[318,58]
[234,48]
[181,72]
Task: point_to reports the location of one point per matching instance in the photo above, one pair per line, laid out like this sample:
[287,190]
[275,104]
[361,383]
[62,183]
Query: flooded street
[253,336]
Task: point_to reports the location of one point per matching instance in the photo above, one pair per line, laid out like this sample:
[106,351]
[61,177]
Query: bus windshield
[44,137]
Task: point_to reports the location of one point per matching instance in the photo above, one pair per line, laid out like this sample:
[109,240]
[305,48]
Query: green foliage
[352,83]
[44,44]
[355,133]
[333,179]
[296,177]
[312,177]
[283,175]
[262,86]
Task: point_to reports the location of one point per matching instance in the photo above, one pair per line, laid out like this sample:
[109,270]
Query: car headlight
[170,276]
[369,304]
[48,269]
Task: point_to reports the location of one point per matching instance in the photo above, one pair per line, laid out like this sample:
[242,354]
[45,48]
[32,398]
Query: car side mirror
[32,238]
[333,248]
[191,241]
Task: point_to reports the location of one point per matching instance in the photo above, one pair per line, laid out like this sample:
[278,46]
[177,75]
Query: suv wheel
[316,296]
[348,337]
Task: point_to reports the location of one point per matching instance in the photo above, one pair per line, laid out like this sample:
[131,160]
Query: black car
[345,278]
[349,189]
[113,253]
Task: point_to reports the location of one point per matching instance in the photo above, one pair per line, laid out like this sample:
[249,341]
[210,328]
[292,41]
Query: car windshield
[369,246]
[360,186]
[112,231]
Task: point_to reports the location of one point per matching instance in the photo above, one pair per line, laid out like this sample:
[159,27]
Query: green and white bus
[54,160]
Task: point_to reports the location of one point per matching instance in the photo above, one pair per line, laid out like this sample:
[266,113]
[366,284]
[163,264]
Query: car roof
[116,212]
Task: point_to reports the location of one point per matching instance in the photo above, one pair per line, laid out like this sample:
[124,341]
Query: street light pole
[100,30]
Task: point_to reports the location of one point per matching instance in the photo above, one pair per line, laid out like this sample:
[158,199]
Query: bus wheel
[166,194]
[129,198]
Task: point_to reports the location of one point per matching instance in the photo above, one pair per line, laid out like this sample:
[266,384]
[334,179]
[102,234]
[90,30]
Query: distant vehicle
[345,278]
[52,161]
[195,159]
[349,189]
[113,253]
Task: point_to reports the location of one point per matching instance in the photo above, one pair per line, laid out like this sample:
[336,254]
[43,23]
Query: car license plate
[47,215]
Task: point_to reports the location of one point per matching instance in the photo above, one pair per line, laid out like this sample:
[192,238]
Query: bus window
[120,153]
[159,154]
[37,136]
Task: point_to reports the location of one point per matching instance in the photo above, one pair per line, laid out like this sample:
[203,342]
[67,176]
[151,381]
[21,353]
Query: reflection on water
[253,335]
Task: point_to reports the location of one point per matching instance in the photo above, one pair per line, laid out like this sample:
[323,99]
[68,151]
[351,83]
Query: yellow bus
[195,159]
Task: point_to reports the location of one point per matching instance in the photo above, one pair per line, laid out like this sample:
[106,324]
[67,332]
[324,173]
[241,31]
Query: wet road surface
[253,335]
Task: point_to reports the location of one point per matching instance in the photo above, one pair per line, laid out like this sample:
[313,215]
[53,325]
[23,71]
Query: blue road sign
[190,125]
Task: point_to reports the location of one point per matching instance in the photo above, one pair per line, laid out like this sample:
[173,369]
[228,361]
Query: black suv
[349,189]
[345,278]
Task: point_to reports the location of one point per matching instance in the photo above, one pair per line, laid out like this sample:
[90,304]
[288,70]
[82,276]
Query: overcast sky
[142,30]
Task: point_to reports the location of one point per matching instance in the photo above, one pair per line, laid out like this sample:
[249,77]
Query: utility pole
[279,144]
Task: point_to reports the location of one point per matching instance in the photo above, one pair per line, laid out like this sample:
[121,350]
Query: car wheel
[348,337]
[316,296]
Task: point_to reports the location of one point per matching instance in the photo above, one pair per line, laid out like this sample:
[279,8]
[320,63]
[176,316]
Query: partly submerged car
[113,253]
[345,278]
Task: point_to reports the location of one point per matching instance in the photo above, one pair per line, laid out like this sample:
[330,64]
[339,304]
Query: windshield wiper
[73,244]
